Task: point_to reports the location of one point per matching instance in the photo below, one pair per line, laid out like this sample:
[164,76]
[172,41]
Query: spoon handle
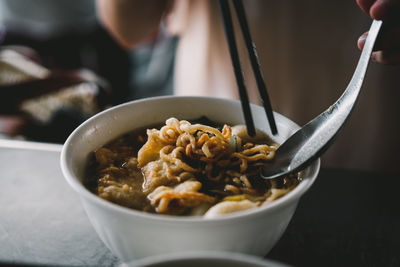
[349,96]
[308,143]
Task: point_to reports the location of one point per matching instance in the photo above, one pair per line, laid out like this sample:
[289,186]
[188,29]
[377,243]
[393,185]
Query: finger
[386,10]
[387,57]
[389,38]
[361,40]
[365,5]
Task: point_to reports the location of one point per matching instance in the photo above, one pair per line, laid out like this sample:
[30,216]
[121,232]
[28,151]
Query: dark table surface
[347,218]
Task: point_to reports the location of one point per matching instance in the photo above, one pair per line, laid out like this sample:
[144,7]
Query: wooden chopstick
[255,64]
[230,36]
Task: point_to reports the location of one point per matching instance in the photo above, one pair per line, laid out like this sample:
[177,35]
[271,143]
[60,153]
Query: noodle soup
[187,168]
[131,233]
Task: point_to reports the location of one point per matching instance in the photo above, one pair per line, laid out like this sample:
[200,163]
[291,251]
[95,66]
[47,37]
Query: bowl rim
[177,257]
[77,185]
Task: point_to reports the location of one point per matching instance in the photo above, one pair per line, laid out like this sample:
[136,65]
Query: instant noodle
[187,168]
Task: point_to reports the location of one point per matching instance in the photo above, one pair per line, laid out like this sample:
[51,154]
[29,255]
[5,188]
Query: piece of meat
[104,157]
[150,151]
[175,200]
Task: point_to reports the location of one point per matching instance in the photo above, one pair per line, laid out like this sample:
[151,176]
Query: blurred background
[307,49]
[65,38]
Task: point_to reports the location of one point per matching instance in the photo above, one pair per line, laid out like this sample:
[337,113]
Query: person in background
[61,36]
[306,50]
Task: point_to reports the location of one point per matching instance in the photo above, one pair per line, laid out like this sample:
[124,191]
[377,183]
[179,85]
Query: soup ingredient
[184,169]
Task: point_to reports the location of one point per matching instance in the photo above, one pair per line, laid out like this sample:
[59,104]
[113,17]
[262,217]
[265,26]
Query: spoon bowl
[314,138]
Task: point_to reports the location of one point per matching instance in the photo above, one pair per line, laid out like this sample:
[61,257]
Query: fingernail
[373,57]
[363,37]
[361,40]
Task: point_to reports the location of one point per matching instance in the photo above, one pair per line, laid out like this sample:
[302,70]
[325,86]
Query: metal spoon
[309,142]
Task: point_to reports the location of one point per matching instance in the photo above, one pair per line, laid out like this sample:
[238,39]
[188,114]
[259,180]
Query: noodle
[182,167]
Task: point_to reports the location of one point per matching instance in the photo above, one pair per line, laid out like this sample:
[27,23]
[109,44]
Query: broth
[184,168]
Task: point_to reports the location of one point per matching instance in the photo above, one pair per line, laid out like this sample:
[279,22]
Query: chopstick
[255,64]
[230,36]
[252,52]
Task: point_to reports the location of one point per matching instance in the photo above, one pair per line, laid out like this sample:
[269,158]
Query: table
[348,218]
[39,226]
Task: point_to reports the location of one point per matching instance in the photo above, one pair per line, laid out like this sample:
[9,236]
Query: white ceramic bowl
[132,234]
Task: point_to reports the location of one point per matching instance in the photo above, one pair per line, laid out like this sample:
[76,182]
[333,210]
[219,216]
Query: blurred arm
[131,21]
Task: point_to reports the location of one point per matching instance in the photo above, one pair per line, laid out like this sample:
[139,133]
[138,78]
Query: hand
[387,47]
